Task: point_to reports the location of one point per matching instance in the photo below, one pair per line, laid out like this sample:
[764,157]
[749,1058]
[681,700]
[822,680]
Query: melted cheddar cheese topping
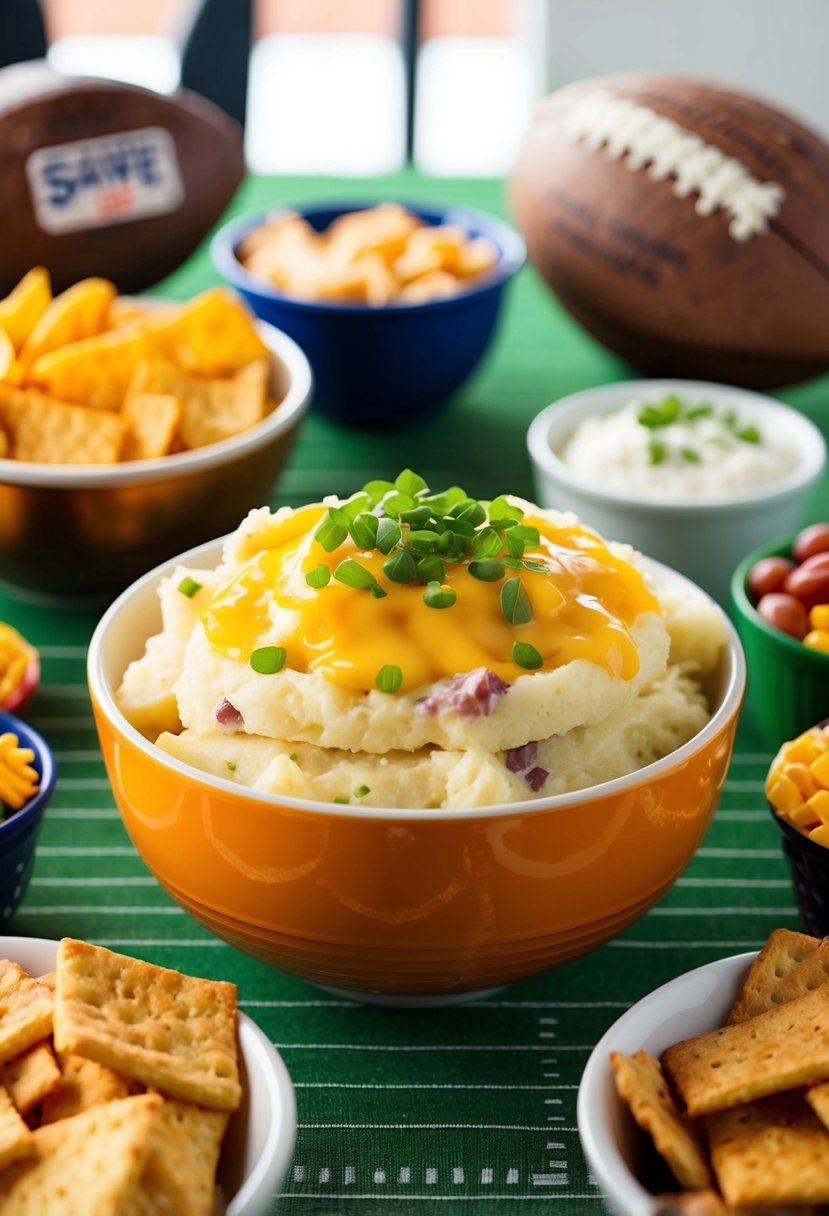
[584,605]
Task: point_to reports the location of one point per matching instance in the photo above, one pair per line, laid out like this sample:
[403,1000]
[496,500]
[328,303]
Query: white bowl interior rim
[117,476]
[599,1143]
[558,418]
[103,692]
[262,1062]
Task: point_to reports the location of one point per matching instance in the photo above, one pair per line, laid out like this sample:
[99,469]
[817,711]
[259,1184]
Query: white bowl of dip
[701,516]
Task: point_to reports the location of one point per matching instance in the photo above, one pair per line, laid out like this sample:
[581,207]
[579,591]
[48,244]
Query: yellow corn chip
[7,356]
[181,1168]
[22,308]
[85,1166]
[16,1140]
[211,410]
[382,230]
[79,312]
[31,1076]
[57,432]
[435,286]
[213,335]
[151,420]
[769,1152]
[172,1031]
[95,371]
[26,1008]
[83,1084]
[642,1086]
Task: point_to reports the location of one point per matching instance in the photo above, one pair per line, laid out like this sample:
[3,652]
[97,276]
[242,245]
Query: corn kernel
[817,639]
[820,770]
[804,750]
[819,803]
[803,779]
[819,616]
[803,817]
[820,835]
[783,794]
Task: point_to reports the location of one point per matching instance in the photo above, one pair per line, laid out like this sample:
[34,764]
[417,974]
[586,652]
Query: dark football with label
[684,224]
[103,178]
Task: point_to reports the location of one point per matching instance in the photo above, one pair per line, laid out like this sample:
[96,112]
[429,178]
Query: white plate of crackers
[712,1092]
[131,1088]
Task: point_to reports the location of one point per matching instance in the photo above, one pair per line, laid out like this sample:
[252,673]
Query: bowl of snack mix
[132,1087]
[129,428]
[413,746]
[780,594]
[668,464]
[394,305]
[709,1095]
[27,778]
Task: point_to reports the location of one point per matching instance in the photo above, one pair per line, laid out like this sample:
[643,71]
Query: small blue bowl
[386,366]
[18,833]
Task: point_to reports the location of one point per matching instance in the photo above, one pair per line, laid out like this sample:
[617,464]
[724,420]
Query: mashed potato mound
[471,740]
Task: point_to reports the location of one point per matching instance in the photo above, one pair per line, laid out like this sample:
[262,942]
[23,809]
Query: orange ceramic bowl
[405,905]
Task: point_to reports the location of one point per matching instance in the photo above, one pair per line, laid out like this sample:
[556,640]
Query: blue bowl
[18,833]
[384,366]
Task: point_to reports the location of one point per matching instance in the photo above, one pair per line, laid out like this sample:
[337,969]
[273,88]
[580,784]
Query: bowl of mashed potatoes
[692,474]
[410,745]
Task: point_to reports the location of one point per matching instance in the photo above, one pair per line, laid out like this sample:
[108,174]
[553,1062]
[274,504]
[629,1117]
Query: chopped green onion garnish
[691,455]
[488,571]
[320,576]
[515,603]
[341,799]
[474,514]
[438,596]
[500,509]
[231,764]
[749,434]
[486,544]
[361,791]
[656,451]
[417,517]
[423,542]
[538,567]
[189,587]
[400,567]
[409,483]
[363,531]
[330,534]
[268,659]
[377,490]
[293,756]
[389,534]
[514,542]
[431,569]
[389,679]
[527,656]
[528,533]
[699,411]
[354,575]
[512,563]
[395,503]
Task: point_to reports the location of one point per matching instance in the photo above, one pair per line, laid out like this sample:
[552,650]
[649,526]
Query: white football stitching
[643,139]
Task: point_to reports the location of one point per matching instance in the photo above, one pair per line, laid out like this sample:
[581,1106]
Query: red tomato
[785,613]
[767,575]
[810,582]
[814,539]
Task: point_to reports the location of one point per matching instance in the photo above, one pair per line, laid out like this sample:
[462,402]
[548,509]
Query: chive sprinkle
[354,575]
[231,764]
[527,656]
[293,756]
[268,659]
[400,567]
[320,576]
[389,678]
[515,603]
[488,571]
[691,455]
[439,596]
[361,791]
[189,587]
[342,800]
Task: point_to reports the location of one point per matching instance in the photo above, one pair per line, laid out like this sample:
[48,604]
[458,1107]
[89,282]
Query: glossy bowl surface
[705,540]
[18,833]
[259,1141]
[692,1004]
[87,530]
[788,683]
[415,903]
[389,366]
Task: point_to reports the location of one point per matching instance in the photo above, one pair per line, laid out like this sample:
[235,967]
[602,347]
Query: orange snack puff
[18,780]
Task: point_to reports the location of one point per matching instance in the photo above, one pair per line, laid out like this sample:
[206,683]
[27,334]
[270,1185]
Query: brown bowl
[88,530]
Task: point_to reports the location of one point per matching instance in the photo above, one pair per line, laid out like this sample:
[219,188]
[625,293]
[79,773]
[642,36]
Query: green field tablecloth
[402,1111]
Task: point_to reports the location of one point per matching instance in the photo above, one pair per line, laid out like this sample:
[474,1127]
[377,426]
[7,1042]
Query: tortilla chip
[151,420]
[96,371]
[23,307]
[79,312]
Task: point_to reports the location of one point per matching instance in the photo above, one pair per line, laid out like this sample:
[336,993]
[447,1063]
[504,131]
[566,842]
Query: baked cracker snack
[83,1084]
[84,1166]
[179,1172]
[789,965]
[26,1008]
[31,1076]
[16,1140]
[642,1085]
[169,1030]
[773,1151]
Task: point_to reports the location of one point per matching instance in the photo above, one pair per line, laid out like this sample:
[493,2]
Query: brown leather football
[685,224]
[103,178]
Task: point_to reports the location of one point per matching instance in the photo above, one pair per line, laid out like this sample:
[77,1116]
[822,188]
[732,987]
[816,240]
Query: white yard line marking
[101,909]
[62,652]
[82,813]
[743,816]
[760,883]
[78,755]
[394,1085]
[512,1177]
[433,1127]
[399,1046]
[676,945]
[99,882]
[751,758]
[757,854]
[81,722]
[92,851]
[452,1198]
[84,783]
[745,787]
[550,1180]
[63,690]
[458,1175]
[781,910]
[431,1175]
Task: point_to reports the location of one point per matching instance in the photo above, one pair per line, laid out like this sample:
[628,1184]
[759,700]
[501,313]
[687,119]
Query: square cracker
[642,1085]
[43,429]
[84,1166]
[773,1151]
[180,1172]
[211,410]
[83,1084]
[172,1031]
[151,420]
[31,1076]
[786,1047]
[789,965]
[26,1008]
[16,1140]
